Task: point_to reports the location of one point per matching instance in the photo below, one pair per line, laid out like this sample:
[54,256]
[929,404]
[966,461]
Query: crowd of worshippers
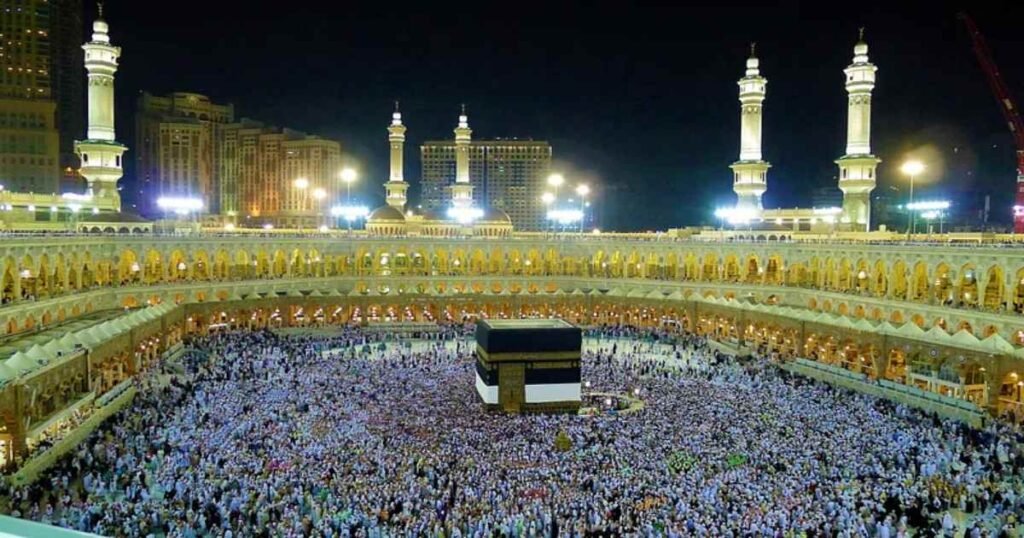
[259,434]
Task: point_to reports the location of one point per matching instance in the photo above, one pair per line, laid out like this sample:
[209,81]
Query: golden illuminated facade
[945,321]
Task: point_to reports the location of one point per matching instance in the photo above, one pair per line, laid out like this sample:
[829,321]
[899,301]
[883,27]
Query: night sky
[638,100]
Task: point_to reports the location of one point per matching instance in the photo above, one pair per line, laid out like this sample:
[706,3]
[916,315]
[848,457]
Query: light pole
[912,169]
[301,184]
[548,199]
[348,176]
[319,194]
[582,190]
[555,181]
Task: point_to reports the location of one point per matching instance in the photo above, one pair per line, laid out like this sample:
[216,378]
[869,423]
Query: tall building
[505,174]
[29,140]
[396,188]
[857,167]
[66,24]
[178,141]
[750,172]
[258,169]
[462,189]
[100,152]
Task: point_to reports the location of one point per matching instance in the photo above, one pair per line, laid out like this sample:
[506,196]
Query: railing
[34,466]
[113,393]
[947,406]
[701,236]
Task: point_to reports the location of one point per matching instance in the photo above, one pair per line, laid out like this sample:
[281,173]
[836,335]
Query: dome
[386,214]
[493,215]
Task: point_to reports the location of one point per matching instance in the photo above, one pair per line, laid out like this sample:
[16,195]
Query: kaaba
[529,365]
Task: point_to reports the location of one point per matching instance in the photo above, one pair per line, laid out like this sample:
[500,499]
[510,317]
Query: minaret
[462,190]
[857,168]
[100,152]
[750,173]
[396,186]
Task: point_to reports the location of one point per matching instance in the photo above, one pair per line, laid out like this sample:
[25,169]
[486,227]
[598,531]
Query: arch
[967,286]
[942,283]
[992,294]
[898,283]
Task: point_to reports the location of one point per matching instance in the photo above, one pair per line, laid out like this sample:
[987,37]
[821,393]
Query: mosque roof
[494,215]
[386,214]
[112,218]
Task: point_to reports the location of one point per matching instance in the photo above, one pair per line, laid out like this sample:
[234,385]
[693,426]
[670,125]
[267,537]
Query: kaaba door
[512,387]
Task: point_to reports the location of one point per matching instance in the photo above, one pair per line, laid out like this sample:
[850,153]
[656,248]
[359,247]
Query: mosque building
[933,326]
[462,218]
[856,168]
[99,208]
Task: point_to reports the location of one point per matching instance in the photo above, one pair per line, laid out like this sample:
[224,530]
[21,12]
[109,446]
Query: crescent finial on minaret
[860,33]
[99,7]
[396,105]
[753,49]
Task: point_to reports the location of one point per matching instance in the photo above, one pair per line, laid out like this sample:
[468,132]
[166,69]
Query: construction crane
[1007,106]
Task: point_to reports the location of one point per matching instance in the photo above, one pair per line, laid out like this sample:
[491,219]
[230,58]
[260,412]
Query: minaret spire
[100,153]
[462,190]
[99,9]
[396,187]
[750,172]
[857,167]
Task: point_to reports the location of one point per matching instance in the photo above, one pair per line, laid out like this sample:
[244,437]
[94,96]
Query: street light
[350,213]
[555,181]
[548,198]
[912,169]
[180,206]
[318,195]
[301,184]
[348,176]
[582,190]
[934,209]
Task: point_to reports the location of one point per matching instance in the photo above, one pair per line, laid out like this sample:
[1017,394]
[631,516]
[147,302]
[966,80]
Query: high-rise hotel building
[259,166]
[188,145]
[68,83]
[177,146]
[506,174]
[29,139]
